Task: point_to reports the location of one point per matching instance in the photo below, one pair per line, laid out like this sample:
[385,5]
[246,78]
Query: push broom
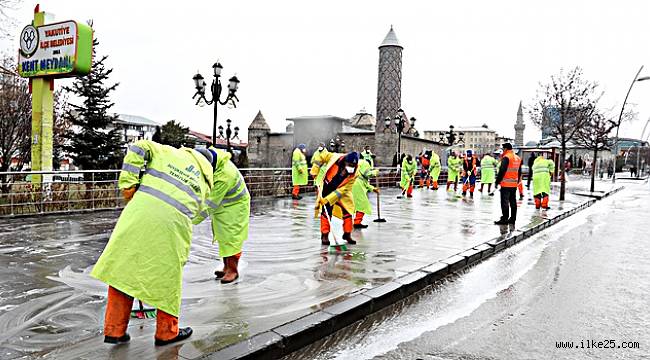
[142,312]
[379,219]
[336,247]
[405,188]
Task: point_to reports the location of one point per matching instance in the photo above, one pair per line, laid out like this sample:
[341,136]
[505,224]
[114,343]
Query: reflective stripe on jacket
[150,243]
[228,206]
[511,177]
[167,176]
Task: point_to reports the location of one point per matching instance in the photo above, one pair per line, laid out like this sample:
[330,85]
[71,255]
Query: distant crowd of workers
[343,180]
[168,190]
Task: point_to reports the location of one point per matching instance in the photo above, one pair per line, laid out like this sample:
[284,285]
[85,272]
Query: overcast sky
[464,63]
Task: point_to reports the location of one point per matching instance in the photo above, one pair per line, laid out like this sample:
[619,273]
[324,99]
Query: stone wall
[357,141]
[280,150]
[269,149]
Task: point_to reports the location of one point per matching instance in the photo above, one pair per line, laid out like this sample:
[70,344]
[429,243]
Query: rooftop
[136,119]
[390,39]
[259,123]
[316,117]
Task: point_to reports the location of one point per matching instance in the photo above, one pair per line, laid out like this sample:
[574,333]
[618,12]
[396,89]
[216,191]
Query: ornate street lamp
[451,137]
[229,134]
[400,121]
[215,90]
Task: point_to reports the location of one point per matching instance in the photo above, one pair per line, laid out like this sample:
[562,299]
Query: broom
[142,312]
[332,248]
[336,247]
[405,188]
[379,219]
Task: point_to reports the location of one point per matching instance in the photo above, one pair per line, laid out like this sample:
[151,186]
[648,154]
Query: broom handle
[329,221]
[378,207]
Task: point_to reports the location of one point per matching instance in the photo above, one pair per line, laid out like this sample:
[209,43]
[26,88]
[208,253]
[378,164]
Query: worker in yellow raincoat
[434,169]
[360,192]
[298,170]
[229,205]
[334,197]
[542,171]
[150,244]
[408,171]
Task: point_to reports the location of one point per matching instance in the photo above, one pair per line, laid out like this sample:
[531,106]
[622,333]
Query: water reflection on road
[49,304]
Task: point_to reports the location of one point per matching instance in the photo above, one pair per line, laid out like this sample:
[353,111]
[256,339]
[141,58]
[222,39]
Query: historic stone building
[519,127]
[273,149]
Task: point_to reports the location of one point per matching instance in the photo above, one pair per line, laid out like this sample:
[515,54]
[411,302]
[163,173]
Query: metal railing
[87,190]
[60,191]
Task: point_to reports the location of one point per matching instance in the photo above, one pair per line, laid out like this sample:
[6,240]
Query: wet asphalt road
[50,307]
[584,281]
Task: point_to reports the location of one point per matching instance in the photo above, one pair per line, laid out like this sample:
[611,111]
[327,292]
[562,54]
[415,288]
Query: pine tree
[174,134]
[92,146]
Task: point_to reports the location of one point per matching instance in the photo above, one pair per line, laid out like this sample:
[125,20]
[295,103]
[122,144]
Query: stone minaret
[389,84]
[389,97]
[519,127]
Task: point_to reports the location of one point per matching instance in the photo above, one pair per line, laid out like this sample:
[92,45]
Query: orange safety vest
[511,178]
[425,162]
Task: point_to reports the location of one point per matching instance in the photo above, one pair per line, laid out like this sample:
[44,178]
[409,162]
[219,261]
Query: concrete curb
[599,196]
[296,334]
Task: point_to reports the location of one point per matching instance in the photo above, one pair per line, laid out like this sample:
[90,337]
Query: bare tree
[16,120]
[594,135]
[15,115]
[564,105]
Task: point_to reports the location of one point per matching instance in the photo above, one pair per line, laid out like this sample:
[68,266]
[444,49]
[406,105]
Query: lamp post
[620,116]
[451,138]
[400,121]
[215,90]
[229,134]
[337,145]
[641,144]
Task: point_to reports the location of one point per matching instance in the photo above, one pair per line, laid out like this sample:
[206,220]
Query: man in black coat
[531,161]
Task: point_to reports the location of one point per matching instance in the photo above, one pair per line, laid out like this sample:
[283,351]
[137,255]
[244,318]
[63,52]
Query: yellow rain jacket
[434,166]
[409,169]
[317,169]
[343,194]
[488,170]
[454,165]
[542,172]
[362,187]
[229,206]
[299,168]
[149,246]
